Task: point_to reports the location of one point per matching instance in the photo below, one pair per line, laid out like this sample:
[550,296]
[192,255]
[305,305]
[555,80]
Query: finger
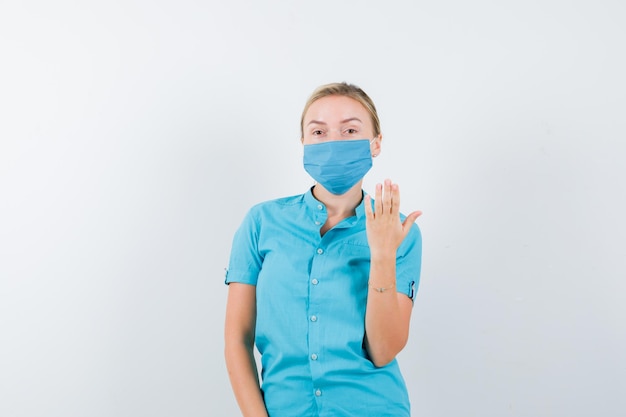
[368,207]
[395,199]
[410,219]
[378,200]
[387,196]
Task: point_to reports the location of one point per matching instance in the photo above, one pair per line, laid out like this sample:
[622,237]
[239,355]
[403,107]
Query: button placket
[320,215]
[315,309]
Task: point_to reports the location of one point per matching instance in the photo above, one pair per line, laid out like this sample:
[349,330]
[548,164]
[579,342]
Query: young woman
[324,282]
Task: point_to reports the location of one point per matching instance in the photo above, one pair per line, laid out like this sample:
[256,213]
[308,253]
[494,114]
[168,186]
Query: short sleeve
[245,260]
[409,263]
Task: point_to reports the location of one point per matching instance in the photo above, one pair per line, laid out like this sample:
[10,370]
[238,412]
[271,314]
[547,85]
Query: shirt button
[318,393]
[317,223]
[319,207]
[313,318]
[320,251]
[314,357]
[314,281]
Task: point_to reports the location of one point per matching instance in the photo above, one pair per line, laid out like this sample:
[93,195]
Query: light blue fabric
[311,298]
[338,164]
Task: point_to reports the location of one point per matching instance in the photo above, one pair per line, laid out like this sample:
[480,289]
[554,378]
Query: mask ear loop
[372,141]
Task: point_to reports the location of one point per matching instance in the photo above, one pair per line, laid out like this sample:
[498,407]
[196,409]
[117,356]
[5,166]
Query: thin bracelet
[382,289]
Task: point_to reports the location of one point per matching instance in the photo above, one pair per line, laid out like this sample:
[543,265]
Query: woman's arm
[387,315]
[238,349]
[388,312]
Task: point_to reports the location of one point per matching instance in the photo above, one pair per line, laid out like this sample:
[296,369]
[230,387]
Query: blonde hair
[347,90]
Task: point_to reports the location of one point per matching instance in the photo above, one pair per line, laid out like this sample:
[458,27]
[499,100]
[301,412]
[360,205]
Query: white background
[134,136]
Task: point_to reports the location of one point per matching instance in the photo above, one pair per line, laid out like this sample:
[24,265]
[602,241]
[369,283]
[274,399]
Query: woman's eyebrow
[351,119]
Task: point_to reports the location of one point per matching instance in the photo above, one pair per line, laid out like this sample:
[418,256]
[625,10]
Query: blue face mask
[338,165]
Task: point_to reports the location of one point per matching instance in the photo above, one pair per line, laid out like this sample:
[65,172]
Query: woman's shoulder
[278,203]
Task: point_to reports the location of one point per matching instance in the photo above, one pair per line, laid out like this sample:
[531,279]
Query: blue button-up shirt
[311,297]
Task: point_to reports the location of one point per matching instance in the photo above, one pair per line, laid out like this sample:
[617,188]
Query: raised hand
[385,231]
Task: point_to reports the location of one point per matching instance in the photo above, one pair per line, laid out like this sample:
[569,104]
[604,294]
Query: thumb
[410,219]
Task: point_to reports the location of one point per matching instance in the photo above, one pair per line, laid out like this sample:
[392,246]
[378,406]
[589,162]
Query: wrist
[382,256]
[382,288]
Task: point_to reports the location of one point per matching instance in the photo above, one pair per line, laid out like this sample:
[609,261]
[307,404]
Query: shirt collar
[314,204]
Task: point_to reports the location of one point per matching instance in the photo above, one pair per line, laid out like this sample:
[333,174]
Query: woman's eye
[351,131]
[317,132]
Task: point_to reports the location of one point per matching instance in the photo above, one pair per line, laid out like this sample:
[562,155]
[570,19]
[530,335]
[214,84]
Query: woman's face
[337,118]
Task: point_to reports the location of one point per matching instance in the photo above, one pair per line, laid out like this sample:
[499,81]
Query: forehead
[336,108]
